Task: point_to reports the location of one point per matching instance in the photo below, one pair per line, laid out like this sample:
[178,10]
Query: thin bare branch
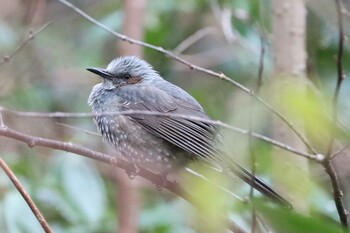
[215,8]
[263,225]
[340,72]
[25,195]
[192,172]
[193,67]
[316,157]
[79,129]
[258,86]
[227,27]
[157,179]
[337,193]
[223,18]
[342,149]
[192,39]
[31,36]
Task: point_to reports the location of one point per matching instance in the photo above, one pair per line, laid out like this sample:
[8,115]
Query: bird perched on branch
[158,141]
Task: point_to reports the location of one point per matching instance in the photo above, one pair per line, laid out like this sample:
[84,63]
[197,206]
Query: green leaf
[287,221]
[83,185]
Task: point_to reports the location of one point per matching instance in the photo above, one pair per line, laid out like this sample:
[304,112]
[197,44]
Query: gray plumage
[157,142]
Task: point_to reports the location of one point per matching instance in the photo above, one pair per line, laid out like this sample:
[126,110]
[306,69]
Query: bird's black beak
[101,72]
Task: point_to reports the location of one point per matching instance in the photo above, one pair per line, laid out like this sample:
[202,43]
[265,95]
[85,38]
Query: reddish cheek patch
[133,80]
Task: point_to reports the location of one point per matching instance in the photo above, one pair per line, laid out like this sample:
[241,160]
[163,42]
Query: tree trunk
[289,57]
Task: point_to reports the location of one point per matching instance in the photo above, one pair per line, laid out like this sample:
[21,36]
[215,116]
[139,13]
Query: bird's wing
[194,136]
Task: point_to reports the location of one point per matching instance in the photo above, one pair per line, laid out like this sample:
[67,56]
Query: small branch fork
[25,195]
[327,163]
[318,157]
[193,67]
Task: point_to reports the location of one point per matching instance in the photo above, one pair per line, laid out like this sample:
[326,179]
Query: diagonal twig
[339,151]
[192,39]
[79,129]
[31,36]
[193,67]
[26,196]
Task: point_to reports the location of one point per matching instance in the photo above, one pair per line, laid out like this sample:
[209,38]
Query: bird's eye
[127,76]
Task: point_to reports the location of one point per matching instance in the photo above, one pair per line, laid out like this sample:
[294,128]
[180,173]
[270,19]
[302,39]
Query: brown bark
[289,57]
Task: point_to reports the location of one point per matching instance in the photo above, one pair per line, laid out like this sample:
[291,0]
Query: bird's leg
[132,172]
[161,181]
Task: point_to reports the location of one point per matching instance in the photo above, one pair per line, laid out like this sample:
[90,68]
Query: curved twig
[26,197]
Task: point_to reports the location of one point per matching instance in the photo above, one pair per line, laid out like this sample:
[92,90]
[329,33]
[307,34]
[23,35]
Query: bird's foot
[161,181]
[132,172]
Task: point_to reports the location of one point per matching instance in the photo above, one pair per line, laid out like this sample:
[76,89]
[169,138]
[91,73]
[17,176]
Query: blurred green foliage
[290,222]
[48,75]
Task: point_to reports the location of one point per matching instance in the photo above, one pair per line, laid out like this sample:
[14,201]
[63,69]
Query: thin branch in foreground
[337,193]
[193,67]
[316,157]
[225,190]
[79,129]
[192,39]
[258,86]
[157,179]
[31,36]
[26,196]
[340,73]
[342,149]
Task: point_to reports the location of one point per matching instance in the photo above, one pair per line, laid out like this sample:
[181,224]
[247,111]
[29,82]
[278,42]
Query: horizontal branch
[316,157]
[157,179]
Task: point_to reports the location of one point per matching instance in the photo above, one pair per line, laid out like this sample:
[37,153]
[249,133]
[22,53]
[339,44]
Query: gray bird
[158,142]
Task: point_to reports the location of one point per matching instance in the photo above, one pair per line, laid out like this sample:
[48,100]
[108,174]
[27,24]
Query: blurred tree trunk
[35,11]
[128,198]
[134,14]
[289,57]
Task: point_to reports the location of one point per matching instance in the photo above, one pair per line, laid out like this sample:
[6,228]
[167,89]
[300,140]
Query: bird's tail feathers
[258,184]
[228,165]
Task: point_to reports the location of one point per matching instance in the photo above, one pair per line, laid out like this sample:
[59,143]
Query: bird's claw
[132,172]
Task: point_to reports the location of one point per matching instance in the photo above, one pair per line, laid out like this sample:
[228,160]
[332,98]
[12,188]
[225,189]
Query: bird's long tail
[258,184]
[224,162]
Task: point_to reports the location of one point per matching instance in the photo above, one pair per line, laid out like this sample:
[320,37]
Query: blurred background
[48,74]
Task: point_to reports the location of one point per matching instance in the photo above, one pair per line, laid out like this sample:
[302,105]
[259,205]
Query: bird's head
[127,70]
